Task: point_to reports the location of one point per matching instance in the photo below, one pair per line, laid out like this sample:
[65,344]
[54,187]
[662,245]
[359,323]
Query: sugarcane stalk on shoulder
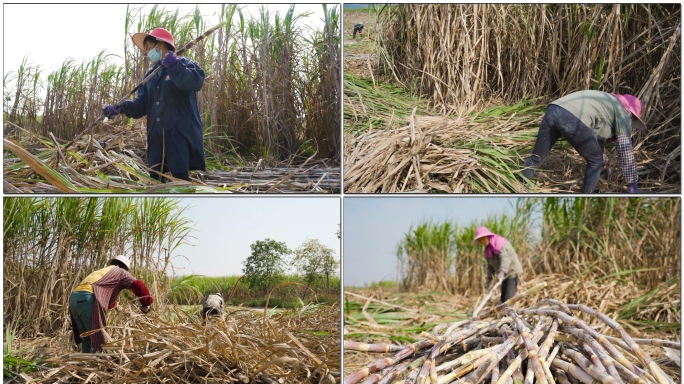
[157,68]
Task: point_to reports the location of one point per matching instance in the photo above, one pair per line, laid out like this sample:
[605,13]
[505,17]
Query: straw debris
[116,161]
[243,346]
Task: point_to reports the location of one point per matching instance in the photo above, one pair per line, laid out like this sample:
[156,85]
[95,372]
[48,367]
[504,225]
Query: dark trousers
[559,122]
[81,307]
[508,288]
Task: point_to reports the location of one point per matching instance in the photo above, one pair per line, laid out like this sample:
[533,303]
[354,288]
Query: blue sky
[373,226]
[224,229]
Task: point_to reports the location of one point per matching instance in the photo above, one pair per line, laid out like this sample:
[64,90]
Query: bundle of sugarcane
[547,341]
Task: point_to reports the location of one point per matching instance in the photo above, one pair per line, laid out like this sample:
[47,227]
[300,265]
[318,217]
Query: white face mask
[154,55]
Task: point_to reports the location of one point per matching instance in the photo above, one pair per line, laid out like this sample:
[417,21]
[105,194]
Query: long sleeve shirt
[507,261]
[175,134]
[609,120]
[106,284]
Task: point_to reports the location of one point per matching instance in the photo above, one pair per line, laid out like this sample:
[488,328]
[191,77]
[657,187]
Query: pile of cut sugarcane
[547,342]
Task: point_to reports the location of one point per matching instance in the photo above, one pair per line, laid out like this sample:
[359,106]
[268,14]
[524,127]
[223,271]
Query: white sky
[373,227]
[51,33]
[225,227]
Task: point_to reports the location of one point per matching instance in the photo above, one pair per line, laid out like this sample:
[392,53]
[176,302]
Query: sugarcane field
[151,290]
[250,99]
[512,98]
[512,290]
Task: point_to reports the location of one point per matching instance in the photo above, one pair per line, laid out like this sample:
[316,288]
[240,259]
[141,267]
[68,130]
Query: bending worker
[587,119]
[175,136]
[98,292]
[501,259]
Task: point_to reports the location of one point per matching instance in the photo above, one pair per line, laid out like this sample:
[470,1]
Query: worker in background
[587,119]
[357,28]
[501,259]
[213,305]
[175,135]
[99,292]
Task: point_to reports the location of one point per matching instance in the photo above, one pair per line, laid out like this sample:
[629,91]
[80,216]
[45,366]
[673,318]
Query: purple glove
[169,60]
[501,275]
[633,188]
[112,110]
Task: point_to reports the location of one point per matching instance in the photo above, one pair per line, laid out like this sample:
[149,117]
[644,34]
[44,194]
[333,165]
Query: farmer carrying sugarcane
[175,137]
[501,259]
[99,292]
[587,119]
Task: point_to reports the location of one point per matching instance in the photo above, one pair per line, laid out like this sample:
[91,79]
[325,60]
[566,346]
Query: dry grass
[170,344]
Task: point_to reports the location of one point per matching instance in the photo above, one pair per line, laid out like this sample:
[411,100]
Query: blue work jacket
[174,129]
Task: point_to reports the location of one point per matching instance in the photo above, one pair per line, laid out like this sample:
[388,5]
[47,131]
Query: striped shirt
[107,290]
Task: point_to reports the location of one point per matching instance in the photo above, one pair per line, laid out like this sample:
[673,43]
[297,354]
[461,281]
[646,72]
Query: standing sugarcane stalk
[156,69]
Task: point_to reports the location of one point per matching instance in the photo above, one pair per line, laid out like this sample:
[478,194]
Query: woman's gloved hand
[169,60]
[112,110]
[501,275]
[633,188]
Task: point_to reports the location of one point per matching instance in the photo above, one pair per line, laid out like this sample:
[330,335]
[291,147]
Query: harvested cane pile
[549,341]
[115,161]
[242,347]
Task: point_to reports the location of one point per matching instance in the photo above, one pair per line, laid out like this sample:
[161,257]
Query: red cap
[160,34]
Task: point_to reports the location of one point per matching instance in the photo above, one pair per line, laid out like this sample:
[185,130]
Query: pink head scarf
[496,242]
[633,105]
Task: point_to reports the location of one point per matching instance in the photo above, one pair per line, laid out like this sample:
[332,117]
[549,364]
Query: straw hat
[160,34]
[633,105]
[481,232]
[122,259]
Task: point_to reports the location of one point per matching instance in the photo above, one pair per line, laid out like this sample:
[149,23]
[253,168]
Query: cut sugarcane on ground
[115,161]
[245,345]
[552,340]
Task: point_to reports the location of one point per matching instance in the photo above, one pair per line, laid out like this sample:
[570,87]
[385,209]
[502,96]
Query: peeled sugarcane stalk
[363,347]
[484,301]
[511,301]
[156,69]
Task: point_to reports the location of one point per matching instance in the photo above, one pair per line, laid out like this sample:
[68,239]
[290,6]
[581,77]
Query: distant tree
[316,262]
[339,235]
[266,263]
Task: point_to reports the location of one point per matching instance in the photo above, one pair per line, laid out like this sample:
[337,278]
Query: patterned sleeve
[626,159]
